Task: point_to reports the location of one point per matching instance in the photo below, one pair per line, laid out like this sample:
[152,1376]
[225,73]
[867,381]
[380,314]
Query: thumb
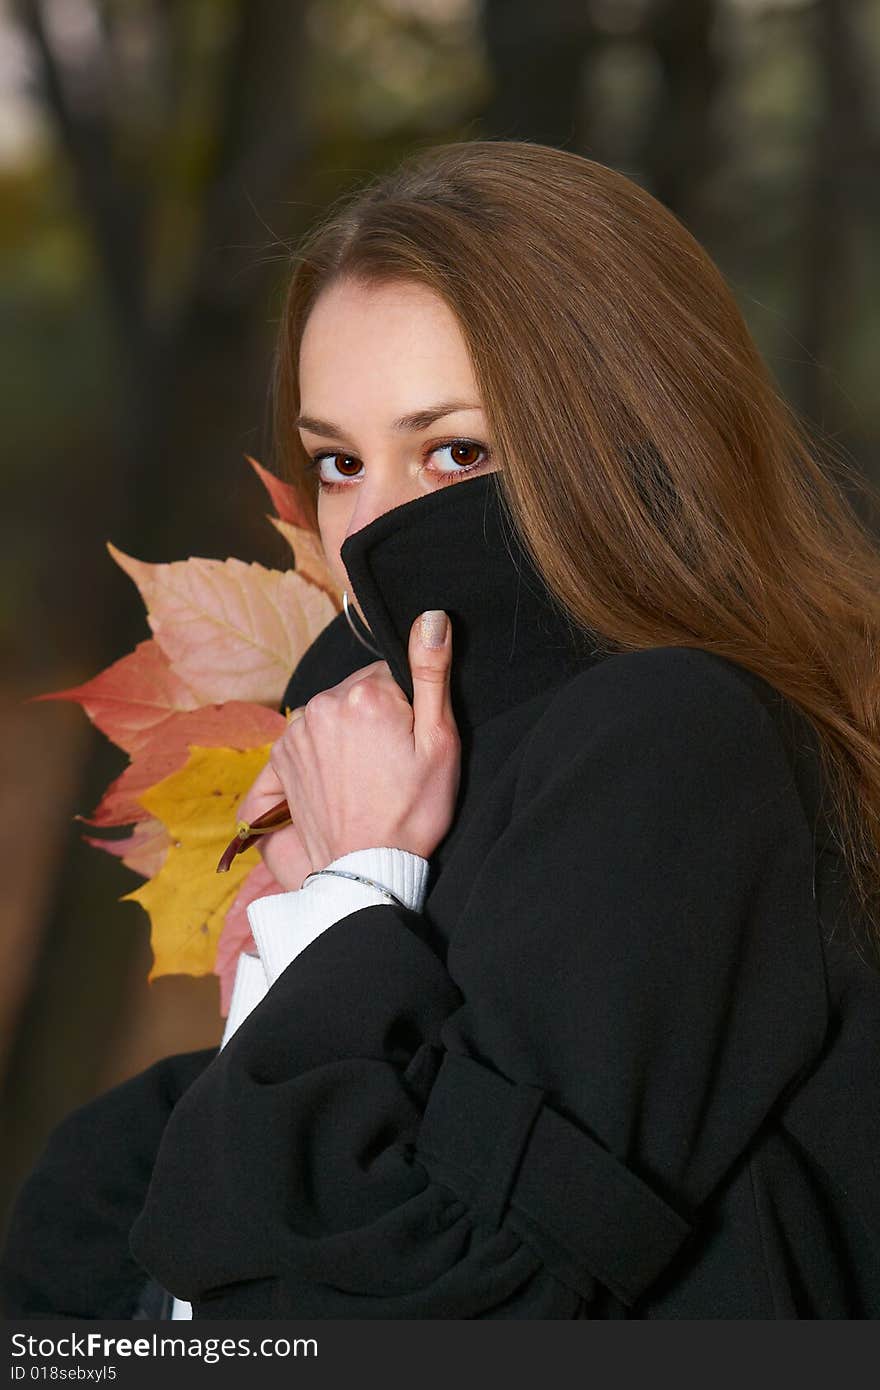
[430,664]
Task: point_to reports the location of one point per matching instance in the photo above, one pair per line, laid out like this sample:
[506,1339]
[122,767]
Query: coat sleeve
[542,1118]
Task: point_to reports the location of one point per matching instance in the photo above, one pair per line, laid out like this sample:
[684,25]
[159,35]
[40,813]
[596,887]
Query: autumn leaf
[309,557]
[237,724]
[196,708]
[284,498]
[126,700]
[143,850]
[187,901]
[295,526]
[230,630]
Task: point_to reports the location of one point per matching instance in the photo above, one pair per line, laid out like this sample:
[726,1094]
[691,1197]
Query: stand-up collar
[456,549]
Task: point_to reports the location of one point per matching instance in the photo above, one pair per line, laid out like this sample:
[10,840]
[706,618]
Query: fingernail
[432,630]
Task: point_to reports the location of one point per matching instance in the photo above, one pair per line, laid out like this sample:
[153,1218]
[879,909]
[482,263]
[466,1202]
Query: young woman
[571,1004]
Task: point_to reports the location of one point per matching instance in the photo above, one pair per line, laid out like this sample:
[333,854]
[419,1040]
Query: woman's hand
[364,767]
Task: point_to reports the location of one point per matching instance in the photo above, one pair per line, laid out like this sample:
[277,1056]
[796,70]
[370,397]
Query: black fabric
[459,552]
[610,1216]
[66,1250]
[155,1303]
[624,1063]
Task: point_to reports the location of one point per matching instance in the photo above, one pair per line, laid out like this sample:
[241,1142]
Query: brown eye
[465,449]
[327,482]
[465,455]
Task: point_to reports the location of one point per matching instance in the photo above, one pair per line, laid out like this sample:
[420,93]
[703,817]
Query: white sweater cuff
[283,924]
[247,991]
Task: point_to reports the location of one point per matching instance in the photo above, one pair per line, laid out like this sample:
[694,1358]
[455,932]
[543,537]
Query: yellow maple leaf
[187,900]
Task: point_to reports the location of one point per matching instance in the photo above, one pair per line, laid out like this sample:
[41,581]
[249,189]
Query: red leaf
[285,498]
[129,698]
[235,724]
[144,850]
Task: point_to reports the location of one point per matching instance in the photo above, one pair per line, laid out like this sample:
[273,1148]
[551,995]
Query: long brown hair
[664,489]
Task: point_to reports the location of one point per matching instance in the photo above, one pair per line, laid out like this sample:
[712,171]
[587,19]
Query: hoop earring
[347,610]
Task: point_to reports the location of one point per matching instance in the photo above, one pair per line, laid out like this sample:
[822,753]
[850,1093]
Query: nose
[375,501]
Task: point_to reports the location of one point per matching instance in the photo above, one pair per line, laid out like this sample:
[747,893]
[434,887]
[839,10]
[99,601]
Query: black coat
[626,1062]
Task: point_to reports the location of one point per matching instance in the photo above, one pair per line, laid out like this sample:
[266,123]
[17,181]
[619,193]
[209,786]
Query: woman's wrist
[283,924]
[401,872]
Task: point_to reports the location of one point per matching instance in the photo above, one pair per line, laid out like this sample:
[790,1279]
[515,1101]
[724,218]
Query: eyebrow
[417,420]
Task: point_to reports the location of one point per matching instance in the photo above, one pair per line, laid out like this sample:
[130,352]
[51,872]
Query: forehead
[373,336]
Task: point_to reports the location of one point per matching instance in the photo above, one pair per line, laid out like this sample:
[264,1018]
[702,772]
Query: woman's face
[368,358]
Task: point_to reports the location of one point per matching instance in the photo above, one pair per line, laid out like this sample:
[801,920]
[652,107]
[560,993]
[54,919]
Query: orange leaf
[128,699]
[236,724]
[231,631]
[309,558]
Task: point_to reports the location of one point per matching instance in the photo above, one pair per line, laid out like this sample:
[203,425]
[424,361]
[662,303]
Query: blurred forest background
[156,156]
